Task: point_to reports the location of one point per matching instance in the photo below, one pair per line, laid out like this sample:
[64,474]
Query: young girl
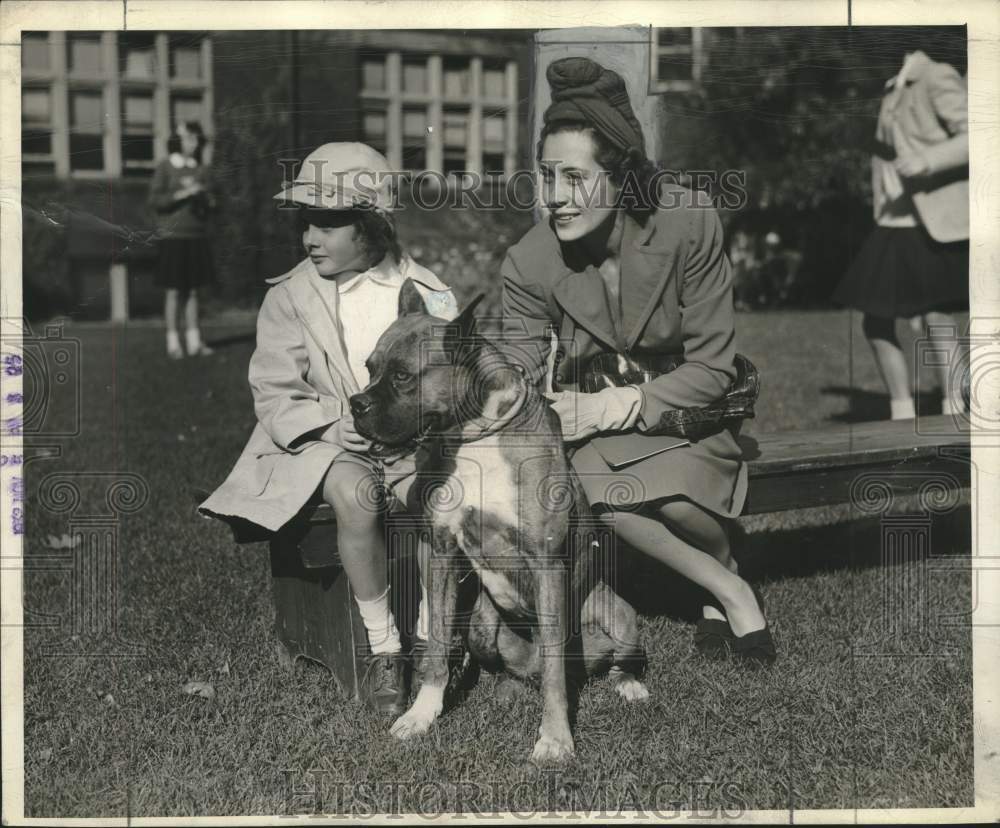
[317,326]
[179,194]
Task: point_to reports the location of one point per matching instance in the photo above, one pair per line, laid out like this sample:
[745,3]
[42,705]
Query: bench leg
[316,615]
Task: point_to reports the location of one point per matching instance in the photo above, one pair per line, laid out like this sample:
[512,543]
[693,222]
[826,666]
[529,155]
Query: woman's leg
[711,568]
[170,319]
[941,328]
[881,335]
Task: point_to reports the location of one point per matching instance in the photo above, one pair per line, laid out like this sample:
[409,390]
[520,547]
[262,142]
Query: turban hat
[585,91]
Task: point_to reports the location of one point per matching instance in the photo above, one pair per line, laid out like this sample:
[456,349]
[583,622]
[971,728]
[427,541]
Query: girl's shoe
[383,683]
[713,638]
[757,647]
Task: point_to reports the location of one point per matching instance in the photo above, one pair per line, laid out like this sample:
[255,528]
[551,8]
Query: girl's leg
[174,350]
[881,335]
[360,542]
[192,333]
[652,537]
[942,330]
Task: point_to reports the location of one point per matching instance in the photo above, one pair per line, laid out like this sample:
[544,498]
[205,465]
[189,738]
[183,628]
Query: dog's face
[418,380]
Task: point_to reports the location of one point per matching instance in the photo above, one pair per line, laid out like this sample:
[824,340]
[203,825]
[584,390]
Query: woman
[614,273]
[916,262]
[179,194]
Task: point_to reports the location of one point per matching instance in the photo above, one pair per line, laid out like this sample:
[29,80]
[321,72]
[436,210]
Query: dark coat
[676,299]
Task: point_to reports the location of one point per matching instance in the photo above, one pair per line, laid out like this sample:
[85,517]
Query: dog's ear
[410,300]
[461,329]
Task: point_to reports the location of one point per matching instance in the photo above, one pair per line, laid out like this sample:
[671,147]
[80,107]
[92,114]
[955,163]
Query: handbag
[614,370]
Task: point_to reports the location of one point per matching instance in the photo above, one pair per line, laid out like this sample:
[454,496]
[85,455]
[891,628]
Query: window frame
[696,50]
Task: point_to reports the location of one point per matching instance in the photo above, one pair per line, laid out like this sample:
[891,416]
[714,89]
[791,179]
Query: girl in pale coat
[316,327]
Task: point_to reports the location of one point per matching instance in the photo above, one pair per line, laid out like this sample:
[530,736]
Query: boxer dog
[498,496]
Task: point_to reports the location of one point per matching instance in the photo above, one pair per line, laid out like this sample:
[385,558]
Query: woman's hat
[583,90]
[342,176]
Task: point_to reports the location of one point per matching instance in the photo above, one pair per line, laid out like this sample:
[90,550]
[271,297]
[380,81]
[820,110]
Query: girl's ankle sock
[380,624]
[952,406]
[902,409]
[192,337]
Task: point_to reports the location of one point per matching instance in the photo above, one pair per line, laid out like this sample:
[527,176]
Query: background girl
[180,196]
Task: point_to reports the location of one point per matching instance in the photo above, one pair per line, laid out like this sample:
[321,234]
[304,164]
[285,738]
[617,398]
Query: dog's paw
[632,690]
[551,750]
[419,718]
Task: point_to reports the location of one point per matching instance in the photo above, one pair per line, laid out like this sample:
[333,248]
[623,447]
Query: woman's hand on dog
[584,415]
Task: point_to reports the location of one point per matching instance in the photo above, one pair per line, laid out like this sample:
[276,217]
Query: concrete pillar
[119,292]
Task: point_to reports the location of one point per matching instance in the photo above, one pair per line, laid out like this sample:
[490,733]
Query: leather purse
[613,370]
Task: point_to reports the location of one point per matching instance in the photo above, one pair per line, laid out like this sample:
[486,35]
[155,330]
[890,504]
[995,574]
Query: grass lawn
[850,717]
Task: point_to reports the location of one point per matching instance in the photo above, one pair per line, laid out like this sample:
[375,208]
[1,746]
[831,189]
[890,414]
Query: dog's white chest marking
[482,488]
[481,481]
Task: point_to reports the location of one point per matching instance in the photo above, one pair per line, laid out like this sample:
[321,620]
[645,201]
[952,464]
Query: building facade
[97,109]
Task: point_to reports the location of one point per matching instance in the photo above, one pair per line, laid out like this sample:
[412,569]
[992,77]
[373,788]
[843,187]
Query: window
[137,55]
[676,59]
[375,128]
[456,141]
[103,103]
[36,125]
[84,55]
[185,58]
[185,108]
[494,75]
[35,53]
[456,78]
[415,139]
[446,113]
[138,151]
[373,73]
[86,136]
[415,77]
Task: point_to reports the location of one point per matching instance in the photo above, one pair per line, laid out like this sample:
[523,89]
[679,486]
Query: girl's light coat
[301,384]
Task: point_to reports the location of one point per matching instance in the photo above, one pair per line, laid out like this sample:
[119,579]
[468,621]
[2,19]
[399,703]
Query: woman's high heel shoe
[757,647]
[713,638]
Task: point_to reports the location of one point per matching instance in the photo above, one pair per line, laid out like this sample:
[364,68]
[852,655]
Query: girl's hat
[342,176]
[584,91]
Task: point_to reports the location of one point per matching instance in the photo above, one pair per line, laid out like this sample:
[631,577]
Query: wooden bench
[316,616]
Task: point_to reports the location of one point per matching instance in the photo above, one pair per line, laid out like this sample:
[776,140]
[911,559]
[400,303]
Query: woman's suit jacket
[927,114]
[301,383]
[676,299]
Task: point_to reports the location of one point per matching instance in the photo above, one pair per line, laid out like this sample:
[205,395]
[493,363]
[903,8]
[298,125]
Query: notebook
[621,450]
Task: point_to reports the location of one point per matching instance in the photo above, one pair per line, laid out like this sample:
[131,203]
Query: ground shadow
[867,406]
[231,339]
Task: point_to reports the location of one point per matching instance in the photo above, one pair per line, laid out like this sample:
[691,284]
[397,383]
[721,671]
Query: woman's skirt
[184,264]
[710,472]
[902,271]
